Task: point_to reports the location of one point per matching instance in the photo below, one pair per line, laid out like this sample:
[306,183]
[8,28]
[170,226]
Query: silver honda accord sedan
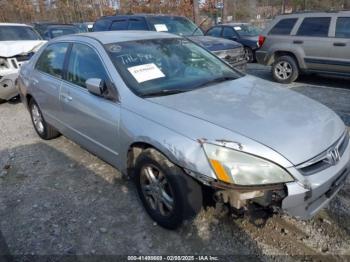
[184,125]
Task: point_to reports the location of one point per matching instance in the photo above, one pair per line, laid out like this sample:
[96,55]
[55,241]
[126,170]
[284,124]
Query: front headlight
[3,64]
[239,168]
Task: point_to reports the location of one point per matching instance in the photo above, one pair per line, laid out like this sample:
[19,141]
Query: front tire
[42,128]
[168,194]
[285,69]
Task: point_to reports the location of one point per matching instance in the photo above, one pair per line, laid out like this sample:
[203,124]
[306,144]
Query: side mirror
[95,86]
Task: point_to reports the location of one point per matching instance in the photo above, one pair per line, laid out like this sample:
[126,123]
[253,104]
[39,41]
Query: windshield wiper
[217,80]
[165,92]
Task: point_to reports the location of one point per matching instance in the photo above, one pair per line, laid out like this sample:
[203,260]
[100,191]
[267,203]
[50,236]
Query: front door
[91,120]
[312,37]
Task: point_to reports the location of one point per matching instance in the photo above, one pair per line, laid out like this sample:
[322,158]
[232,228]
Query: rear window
[315,26]
[343,27]
[283,27]
[119,25]
[216,31]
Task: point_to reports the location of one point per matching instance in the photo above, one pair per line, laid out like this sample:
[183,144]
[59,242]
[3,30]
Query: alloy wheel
[283,70]
[156,190]
[37,119]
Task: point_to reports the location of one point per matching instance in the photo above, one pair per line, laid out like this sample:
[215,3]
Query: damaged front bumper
[9,71]
[302,198]
[8,83]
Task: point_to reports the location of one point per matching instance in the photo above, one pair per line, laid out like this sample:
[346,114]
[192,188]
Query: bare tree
[196,11]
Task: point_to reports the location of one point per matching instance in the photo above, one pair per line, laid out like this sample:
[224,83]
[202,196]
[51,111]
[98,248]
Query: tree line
[68,11]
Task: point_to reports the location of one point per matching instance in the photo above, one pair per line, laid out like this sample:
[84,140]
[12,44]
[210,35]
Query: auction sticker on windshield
[161,28]
[143,73]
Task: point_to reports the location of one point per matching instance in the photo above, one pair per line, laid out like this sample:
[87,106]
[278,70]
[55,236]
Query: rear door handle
[339,44]
[298,42]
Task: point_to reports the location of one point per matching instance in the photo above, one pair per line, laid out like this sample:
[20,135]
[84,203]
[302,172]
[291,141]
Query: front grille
[325,159]
[231,56]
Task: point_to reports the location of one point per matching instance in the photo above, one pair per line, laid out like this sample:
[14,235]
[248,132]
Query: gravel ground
[58,199]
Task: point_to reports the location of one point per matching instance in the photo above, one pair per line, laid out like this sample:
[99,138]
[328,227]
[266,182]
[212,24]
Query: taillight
[261,40]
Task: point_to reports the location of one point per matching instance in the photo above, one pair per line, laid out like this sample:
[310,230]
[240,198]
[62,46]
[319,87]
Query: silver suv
[306,42]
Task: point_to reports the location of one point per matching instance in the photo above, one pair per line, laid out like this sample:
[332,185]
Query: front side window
[215,31]
[315,26]
[283,27]
[119,25]
[17,33]
[167,66]
[84,63]
[52,59]
[175,25]
[343,27]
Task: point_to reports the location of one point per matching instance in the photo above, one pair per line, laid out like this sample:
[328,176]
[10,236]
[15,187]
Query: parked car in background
[49,30]
[244,33]
[18,42]
[229,51]
[177,119]
[306,42]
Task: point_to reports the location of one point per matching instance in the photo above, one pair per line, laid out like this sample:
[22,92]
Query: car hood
[214,43]
[13,48]
[291,124]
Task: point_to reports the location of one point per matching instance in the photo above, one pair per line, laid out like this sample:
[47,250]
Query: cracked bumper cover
[8,83]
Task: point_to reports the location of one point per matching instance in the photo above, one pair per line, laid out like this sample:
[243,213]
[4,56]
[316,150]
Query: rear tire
[42,128]
[285,69]
[249,54]
[171,200]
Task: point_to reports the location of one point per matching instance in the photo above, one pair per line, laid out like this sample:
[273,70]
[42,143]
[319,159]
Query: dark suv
[306,42]
[229,51]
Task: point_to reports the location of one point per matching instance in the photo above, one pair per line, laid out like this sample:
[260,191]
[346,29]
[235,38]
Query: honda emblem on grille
[333,156]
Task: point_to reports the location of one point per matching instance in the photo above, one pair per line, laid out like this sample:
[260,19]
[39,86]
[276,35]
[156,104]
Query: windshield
[56,32]
[176,25]
[167,66]
[247,30]
[15,33]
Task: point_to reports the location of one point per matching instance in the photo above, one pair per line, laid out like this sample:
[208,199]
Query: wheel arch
[278,53]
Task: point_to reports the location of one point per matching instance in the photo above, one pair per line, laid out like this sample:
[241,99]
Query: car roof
[139,15]
[107,37]
[14,24]
[313,14]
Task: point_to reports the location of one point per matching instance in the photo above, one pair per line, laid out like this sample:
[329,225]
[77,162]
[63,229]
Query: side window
[101,25]
[343,27]
[119,25]
[315,26]
[228,32]
[84,63]
[283,27]
[52,59]
[215,31]
[137,24]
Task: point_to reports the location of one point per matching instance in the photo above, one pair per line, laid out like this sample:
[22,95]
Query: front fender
[179,149]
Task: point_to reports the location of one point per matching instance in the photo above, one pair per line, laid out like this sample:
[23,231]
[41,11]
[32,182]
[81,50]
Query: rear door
[91,120]
[340,54]
[47,79]
[313,38]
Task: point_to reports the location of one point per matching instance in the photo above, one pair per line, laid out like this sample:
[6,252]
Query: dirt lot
[57,199]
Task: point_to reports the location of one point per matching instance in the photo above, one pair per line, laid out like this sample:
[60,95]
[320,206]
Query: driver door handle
[339,44]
